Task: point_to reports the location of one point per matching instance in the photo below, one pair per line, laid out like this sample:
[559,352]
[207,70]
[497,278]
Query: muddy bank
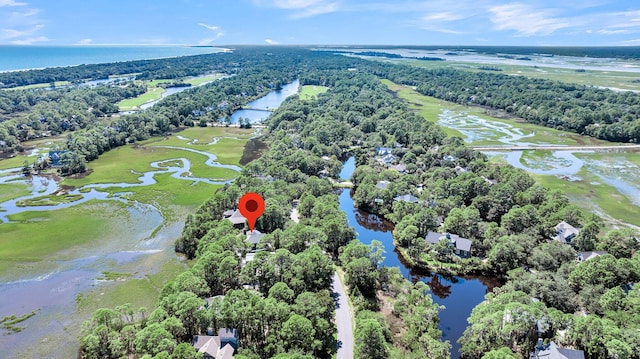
[253,150]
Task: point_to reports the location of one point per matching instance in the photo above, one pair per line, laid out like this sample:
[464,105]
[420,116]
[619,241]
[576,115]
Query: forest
[281,302]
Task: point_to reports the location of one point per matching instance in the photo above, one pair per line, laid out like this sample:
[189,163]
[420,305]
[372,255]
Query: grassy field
[35,236]
[9,191]
[135,102]
[430,108]
[196,81]
[310,91]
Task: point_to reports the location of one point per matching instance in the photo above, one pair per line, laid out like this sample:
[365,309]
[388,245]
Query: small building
[221,346]
[399,167]
[382,184]
[551,351]
[383,151]
[449,158]
[237,219]
[407,198]
[565,232]
[389,159]
[585,256]
[461,246]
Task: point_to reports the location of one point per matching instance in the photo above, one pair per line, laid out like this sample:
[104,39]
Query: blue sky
[401,22]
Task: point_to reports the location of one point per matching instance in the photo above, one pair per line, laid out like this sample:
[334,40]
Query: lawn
[43,145]
[135,102]
[309,92]
[199,80]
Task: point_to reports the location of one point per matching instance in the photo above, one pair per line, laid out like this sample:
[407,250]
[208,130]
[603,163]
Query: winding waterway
[458,295]
[140,244]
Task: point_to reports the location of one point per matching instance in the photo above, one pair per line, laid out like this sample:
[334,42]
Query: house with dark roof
[461,246]
[221,346]
[585,256]
[54,157]
[407,198]
[237,219]
[551,351]
[565,232]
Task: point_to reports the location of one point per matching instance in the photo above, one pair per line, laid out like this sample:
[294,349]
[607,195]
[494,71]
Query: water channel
[458,295]
[141,244]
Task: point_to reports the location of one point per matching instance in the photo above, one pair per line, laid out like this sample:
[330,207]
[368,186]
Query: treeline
[587,110]
[30,114]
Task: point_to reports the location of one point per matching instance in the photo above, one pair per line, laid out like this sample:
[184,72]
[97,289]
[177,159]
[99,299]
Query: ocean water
[35,57]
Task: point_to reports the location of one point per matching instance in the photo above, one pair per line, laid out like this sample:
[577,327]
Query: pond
[458,294]
[258,110]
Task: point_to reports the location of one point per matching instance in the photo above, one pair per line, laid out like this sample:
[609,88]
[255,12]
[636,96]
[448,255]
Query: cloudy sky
[400,22]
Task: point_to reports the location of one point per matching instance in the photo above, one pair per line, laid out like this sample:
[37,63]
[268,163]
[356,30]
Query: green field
[196,81]
[310,91]
[135,102]
[42,145]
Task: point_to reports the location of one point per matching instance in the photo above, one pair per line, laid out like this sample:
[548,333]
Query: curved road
[343,321]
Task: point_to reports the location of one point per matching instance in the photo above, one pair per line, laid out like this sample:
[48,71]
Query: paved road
[555,148]
[343,321]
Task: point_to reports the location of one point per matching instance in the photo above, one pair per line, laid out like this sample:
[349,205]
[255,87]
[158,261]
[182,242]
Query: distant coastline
[23,58]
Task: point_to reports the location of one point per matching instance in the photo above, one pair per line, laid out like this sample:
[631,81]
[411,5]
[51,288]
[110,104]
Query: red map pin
[251,206]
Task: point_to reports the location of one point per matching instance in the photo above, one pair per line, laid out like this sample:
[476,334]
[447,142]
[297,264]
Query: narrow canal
[458,295]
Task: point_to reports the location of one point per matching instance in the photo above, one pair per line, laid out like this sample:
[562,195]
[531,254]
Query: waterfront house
[551,351]
[565,232]
[461,246]
[221,346]
[54,157]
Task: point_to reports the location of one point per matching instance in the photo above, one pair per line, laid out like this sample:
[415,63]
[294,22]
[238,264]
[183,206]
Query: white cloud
[271,42]
[443,16]
[527,20]
[210,27]
[218,34]
[302,8]
[12,3]
[30,40]
[85,42]
[612,32]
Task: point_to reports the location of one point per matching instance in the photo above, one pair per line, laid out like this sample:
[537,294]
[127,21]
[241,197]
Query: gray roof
[565,232]
[382,184]
[237,218]
[254,236]
[407,198]
[383,150]
[585,256]
[462,244]
[552,351]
